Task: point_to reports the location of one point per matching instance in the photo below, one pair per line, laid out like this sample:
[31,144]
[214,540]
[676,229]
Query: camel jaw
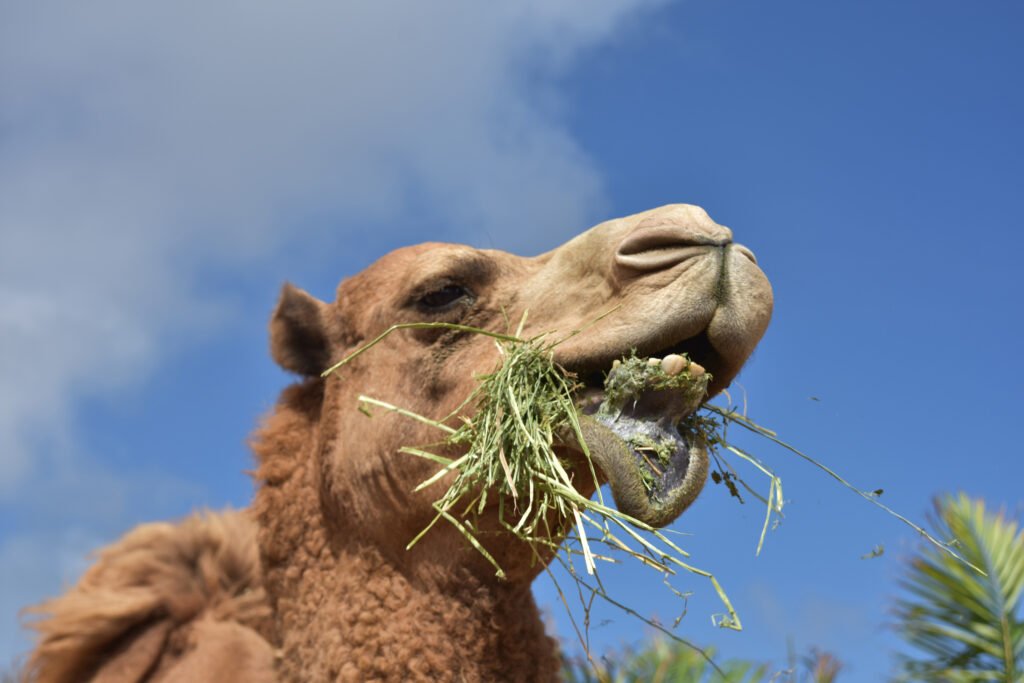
[640,435]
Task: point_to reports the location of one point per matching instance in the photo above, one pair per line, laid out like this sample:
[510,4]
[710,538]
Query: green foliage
[822,667]
[968,625]
[663,661]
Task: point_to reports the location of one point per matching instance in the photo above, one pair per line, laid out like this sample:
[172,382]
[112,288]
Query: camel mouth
[638,413]
[698,349]
[647,405]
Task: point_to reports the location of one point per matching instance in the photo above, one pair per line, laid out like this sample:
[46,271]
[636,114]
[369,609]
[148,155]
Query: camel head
[668,281]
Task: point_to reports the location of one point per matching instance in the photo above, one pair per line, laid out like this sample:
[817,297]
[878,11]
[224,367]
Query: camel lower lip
[647,407]
[661,450]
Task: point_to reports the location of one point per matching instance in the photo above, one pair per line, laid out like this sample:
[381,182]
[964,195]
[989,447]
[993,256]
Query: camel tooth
[616,363]
[696,370]
[653,362]
[673,364]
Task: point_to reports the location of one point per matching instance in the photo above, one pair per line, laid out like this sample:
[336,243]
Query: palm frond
[967,624]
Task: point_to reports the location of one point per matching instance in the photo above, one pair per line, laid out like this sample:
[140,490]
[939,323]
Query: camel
[313,582]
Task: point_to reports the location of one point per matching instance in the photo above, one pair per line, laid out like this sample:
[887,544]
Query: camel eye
[443,298]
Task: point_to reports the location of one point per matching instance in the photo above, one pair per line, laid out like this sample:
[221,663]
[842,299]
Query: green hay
[507,428]
[633,374]
[518,413]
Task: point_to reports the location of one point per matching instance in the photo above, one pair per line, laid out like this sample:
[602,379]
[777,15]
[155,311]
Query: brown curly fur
[151,598]
[315,582]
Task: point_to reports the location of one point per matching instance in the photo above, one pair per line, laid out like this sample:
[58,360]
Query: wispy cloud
[142,143]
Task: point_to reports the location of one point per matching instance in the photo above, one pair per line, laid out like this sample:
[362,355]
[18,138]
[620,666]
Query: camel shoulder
[164,599]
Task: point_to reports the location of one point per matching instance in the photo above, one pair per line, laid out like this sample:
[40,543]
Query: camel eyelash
[444,298]
[441,296]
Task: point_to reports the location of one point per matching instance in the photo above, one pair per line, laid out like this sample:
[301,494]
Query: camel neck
[343,610]
[355,616]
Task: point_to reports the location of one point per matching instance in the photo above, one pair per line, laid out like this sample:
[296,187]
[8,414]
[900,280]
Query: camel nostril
[663,246]
[746,252]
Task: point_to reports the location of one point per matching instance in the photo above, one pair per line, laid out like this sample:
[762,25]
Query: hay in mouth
[648,403]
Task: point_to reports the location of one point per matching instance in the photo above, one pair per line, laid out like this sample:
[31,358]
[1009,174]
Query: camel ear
[298,340]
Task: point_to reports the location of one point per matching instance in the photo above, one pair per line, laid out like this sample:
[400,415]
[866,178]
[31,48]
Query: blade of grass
[405,413]
[867,495]
[414,326]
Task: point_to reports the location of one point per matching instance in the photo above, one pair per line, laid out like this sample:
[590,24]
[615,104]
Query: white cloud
[143,143]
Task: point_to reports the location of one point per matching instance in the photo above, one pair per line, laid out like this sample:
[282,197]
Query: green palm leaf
[968,625]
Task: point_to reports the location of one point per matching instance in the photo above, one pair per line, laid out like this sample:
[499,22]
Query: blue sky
[164,170]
